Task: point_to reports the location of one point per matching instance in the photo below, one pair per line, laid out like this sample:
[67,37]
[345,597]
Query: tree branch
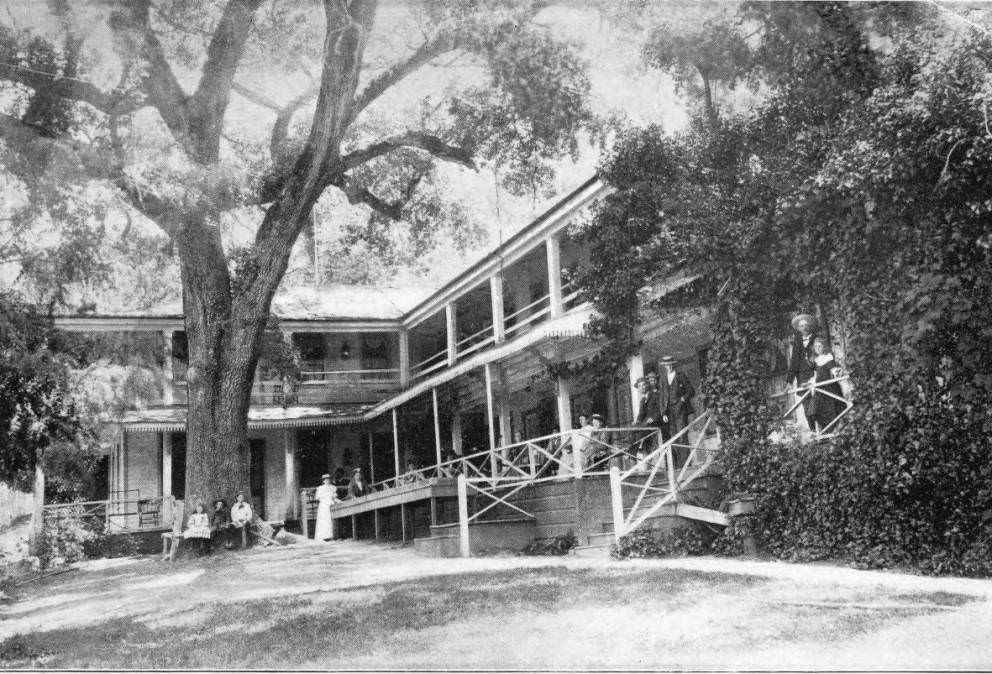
[72,89]
[255,97]
[358,194]
[280,130]
[416,139]
[429,50]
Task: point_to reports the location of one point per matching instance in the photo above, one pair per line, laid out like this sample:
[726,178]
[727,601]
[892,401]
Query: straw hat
[808,319]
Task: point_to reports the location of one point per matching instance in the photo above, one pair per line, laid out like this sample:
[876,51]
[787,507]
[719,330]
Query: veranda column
[635,365]
[564,405]
[404,354]
[496,295]
[292,482]
[488,369]
[553,245]
[166,478]
[396,445]
[168,392]
[371,460]
[456,432]
[451,329]
[437,430]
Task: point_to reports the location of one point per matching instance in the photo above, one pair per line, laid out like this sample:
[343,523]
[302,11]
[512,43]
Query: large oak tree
[137,96]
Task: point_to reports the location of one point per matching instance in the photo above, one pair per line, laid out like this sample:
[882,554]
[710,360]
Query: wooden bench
[172,539]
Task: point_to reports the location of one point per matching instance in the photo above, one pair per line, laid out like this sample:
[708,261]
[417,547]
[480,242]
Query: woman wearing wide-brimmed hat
[326,496]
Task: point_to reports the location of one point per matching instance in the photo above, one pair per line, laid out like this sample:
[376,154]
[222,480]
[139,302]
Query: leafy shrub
[679,542]
[74,539]
[559,545]
[733,540]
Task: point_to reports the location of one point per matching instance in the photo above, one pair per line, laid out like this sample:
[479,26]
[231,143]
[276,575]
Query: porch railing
[127,514]
[430,364]
[650,496]
[809,391]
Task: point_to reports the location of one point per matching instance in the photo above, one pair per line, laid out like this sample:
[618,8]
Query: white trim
[572,324]
[507,254]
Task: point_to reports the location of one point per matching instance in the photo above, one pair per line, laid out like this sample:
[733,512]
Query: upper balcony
[335,367]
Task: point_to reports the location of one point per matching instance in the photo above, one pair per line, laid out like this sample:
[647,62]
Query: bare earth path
[358,605]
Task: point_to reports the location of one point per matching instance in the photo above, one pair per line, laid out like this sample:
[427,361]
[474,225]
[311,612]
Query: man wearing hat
[675,394]
[801,355]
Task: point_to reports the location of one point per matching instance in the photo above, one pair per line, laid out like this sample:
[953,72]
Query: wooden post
[564,405]
[376,524]
[403,521]
[496,296]
[167,501]
[38,510]
[404,353]
[371,460]
[304,517]
[553,244]
[488,369]
[168,393]
[396,447]
[463,516]
[616,499]
[456,432]
[437,431]
[635,365]
[354,527]
[433,512]
[451,323]
[292,481]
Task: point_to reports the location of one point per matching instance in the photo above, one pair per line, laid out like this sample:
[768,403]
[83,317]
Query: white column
[488,369]
[553,244]
[404,349]
[496,293]
[292,481]
[396,444]
[564,405]
[451,329]
[168,393]
[463,542]
[635,365]
[371,461]
[166,478]
[456,432]
[437,427]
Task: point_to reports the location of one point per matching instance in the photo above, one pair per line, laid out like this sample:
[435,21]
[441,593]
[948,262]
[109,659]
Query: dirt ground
[498,612]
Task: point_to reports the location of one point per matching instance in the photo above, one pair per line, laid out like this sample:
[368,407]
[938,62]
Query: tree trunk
[38,510]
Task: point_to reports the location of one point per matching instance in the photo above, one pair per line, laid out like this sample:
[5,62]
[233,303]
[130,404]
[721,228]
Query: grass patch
[278,633]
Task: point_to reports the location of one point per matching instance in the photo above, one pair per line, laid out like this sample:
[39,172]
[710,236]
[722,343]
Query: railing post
[463,543]
[530,460]
[616,499]
[670,465]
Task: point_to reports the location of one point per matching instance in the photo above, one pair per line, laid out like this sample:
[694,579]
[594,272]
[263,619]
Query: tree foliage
[40,418]
[860,184]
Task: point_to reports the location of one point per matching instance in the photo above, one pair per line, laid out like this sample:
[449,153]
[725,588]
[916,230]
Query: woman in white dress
[326,496]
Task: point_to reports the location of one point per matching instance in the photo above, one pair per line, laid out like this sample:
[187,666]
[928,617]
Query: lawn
[558,616]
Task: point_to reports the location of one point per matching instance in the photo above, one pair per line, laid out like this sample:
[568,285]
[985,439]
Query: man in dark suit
[647,415]
[801,357]
[675,394]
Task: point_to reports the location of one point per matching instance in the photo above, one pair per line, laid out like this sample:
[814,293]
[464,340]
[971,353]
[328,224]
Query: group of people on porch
[815,373]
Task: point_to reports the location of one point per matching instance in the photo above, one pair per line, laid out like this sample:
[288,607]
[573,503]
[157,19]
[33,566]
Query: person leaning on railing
[824,407]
